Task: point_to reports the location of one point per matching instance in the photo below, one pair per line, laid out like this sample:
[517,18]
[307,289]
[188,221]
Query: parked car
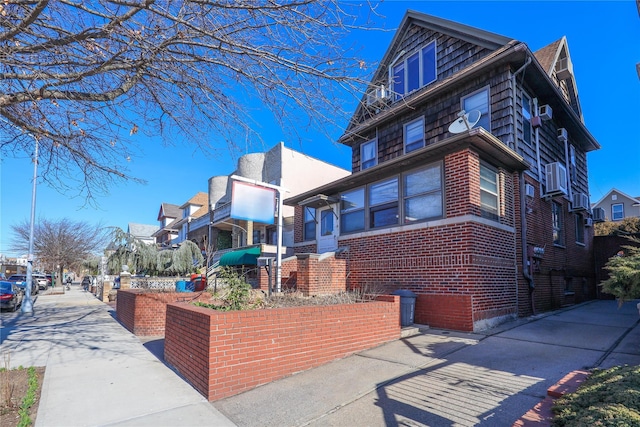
[21,281]
[41,280]
[49,279]
[11,295]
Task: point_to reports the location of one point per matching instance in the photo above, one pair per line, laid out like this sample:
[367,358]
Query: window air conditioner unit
[529,190]
[378,95]
[556,175]
[545,112]
[598,214]
[562,135]
[564,68]
[588,222]
[580,202]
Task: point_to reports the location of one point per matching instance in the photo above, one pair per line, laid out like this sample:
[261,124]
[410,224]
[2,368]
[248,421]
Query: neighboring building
[484,222]
[280,166]
[196,207]
[616,206]
[167,216]
[144,232]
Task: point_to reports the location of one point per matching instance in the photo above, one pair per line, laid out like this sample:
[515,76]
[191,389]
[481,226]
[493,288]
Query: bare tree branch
[83,76]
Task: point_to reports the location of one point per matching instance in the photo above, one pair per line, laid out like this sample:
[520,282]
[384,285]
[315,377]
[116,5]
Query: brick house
[483,222]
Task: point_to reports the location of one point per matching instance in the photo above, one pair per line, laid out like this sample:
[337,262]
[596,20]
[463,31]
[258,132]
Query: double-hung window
[489,192]
[368,154]
[617,212]
[479,100]
[557,222]
[414,135]
[579,229]
[423,194]
[352,211]
[526,119]
[416,71]
[309,223]
[383,203]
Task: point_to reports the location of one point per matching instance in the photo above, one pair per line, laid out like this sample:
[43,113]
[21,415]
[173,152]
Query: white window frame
[374,160]
[617,216]
[487,211]
[413,145]
[463,105]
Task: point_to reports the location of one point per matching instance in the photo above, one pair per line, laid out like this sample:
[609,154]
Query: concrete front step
[415,329]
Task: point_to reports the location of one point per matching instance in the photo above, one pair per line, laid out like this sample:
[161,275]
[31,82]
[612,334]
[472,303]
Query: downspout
[523,220]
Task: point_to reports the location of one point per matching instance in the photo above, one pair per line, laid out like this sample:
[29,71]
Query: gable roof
[486,39]
[200,199]
[549,58]
[500,50]
[168,210]
[142,230]
[615,190]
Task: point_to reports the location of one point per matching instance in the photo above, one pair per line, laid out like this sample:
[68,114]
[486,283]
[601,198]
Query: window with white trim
[489,192]
[383,203]
[423,194]
[352,211]
[617,212]
[479,100]
[414,135]
[526,119]
[416,71]
[309,223]
[369,154]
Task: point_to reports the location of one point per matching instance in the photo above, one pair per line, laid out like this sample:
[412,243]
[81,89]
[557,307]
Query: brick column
[125,280]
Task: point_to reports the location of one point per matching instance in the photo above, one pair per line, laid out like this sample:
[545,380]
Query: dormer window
[416,71]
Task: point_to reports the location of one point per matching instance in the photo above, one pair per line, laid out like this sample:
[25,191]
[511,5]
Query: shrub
[607,398]
[624,274]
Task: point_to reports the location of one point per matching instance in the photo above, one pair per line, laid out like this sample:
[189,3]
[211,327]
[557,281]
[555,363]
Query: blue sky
[603,43]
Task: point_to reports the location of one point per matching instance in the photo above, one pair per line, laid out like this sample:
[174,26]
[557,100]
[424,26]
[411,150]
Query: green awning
[241,257]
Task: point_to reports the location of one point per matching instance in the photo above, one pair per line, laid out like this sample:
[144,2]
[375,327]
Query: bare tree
[64,243]
[83,76]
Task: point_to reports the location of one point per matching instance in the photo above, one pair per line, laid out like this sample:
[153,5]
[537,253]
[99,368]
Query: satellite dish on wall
[465,121]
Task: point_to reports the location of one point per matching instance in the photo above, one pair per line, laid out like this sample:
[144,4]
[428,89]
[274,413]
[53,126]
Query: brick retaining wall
[224,353]
[143,312]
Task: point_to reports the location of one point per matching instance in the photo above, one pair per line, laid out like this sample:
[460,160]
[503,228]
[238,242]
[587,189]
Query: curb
[541,414]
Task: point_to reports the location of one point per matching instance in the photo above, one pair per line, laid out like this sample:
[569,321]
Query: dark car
[21,281]
[11,295]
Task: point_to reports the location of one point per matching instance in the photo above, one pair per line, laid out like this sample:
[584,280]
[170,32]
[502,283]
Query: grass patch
[608,397]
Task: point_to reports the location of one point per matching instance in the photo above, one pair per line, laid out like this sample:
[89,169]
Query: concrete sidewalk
[97,372]
[443,378]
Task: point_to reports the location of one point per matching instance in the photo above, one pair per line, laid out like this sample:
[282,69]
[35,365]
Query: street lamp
[27,304]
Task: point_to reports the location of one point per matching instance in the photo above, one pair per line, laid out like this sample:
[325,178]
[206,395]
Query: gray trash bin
[407,306]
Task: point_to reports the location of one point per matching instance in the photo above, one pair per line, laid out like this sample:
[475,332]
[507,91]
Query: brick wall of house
[225,353]
[565,274]
[143,312]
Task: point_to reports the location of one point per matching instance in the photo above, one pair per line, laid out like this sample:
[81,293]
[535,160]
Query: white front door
[327,231]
